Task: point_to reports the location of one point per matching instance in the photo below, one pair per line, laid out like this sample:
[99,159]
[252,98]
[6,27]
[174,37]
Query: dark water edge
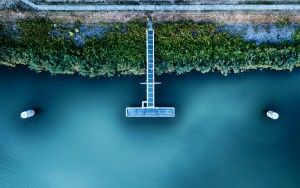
[81,138]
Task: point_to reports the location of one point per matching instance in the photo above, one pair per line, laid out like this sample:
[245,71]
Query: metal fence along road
[74,7]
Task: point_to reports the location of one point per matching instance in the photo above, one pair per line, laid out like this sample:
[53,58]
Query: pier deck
[150,112]
[148,108]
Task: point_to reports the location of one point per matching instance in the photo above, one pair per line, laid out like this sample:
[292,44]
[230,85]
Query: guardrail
[250,7]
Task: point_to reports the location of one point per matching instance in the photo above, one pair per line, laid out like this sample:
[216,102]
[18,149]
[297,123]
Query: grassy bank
[180,48]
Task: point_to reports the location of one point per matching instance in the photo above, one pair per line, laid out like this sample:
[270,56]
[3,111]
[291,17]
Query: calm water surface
[81,138]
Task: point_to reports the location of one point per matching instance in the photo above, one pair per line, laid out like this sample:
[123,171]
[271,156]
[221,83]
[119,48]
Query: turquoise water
[81,138]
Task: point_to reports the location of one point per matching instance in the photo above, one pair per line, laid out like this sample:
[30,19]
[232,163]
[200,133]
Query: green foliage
[179,48]
[297,36]
[183,47]
[35,32]
[123,51]
[1,26]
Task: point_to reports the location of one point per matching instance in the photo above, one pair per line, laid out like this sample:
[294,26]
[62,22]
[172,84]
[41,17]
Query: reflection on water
[81,138]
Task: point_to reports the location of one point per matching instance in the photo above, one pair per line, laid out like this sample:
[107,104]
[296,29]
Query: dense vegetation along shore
[180,47]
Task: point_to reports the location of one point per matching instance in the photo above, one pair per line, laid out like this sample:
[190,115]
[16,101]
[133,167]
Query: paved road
[159,7]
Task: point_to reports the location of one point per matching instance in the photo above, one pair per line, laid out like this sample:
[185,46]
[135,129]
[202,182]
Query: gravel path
[158,16]
[158,7]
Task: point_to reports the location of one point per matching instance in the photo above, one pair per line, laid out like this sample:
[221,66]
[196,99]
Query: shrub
[297,36]
[179,48]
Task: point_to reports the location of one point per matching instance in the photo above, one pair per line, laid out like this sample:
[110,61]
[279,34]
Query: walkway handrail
[252,7]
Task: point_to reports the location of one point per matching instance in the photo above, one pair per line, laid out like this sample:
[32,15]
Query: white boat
[273,115]
[27,114]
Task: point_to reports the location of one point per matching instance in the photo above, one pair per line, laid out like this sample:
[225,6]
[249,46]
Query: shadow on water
[38,110]
[147,123]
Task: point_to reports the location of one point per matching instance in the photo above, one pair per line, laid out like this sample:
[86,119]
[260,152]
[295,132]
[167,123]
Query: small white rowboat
[273,115]
[27,114]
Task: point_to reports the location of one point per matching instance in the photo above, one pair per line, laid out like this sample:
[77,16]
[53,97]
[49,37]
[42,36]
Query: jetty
[148,108]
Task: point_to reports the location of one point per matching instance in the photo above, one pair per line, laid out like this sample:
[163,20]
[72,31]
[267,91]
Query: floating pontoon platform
[150,112]
[148,108]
